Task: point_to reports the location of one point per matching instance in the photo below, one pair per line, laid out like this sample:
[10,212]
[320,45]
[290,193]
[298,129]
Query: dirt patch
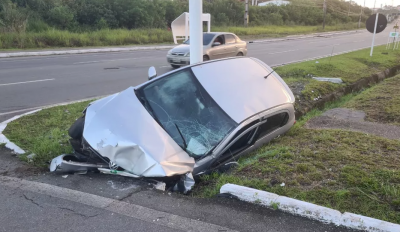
[352,120]
[12,166]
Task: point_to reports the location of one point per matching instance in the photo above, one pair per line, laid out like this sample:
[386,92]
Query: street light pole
[323,24]
[196,31]
[359,20]
[246,13]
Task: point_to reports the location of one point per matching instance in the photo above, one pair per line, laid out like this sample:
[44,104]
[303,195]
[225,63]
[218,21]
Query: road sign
[380,26]
[393,34]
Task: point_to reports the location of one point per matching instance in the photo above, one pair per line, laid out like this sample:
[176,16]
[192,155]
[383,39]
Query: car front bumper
[178,60]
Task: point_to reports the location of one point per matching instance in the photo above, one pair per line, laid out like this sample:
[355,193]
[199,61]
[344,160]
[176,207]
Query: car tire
[206,58]
[175,66]
[240,54]
[76,130]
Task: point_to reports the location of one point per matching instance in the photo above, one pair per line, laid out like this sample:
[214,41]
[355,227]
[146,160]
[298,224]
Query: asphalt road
[39,201]
[30,82]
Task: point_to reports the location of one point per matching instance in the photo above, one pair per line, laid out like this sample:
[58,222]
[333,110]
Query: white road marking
[131,210]
[26,82]
[167,66]
[283,52]
[358,41]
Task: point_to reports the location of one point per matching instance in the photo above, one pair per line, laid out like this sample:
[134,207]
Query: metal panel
[239,86]
[121,129]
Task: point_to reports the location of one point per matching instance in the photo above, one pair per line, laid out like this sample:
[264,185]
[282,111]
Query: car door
[243,139]
[218,52]
[231,48]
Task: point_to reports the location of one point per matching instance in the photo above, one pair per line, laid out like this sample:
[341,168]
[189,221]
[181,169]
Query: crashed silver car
[189,121]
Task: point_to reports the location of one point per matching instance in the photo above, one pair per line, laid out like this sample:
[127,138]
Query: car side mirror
[216,44]
[152,72]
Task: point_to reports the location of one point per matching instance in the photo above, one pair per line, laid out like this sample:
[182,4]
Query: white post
[186,28]
[196,31]
[373,37]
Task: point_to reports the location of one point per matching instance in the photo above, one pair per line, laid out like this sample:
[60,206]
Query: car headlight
[169,52]
[187,54]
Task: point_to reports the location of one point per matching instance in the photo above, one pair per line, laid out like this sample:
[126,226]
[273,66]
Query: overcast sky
[370,3]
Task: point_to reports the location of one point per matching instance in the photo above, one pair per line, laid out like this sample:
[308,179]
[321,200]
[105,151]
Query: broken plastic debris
[185,184]
[115,172]
[30,157]
[283,185]
[160,186]
[329,79]
[317,62]
[65,176]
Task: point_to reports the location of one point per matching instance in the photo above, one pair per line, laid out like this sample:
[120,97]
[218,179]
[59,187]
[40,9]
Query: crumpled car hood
[120,128]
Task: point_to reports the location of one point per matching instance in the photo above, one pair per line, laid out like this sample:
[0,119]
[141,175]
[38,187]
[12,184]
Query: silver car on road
[217,45]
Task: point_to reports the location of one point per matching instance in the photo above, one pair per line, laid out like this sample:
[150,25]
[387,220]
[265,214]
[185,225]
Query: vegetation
[351,67]
[118,37]
[381,103]
[44,23]
[348,171]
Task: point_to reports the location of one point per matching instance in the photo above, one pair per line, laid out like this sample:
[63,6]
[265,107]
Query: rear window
[230,39]
[207,38]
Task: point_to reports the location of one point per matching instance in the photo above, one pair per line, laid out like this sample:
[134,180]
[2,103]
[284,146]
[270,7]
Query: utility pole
[348,12]
[246,14]
[323,24]
[196,31]
[359,20]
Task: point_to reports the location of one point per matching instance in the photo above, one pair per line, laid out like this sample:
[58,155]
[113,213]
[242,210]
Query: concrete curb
[3,139]
[297,37]
[309,210]
[12,146]
[81,51]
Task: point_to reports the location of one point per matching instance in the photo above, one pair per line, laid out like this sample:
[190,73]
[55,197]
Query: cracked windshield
[187,112]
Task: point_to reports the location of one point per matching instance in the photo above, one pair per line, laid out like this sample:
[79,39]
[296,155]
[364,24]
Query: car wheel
[76,130]
[205,58]
[175,66]
[240,54]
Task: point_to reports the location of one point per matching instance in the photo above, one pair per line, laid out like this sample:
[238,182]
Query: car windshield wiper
[183,139]
[184,142]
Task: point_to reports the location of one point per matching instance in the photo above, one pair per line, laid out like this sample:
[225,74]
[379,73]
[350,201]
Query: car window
[187,112]
[207,38]
[230,39]
[220,39]
[274,122]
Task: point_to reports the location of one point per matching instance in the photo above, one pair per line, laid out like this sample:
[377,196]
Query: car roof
[238,85]
[240,88]
[218,33]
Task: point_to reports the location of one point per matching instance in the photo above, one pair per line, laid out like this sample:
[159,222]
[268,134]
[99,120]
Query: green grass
[351,67]
[381,103]
[347,171]
[45,133]
[118,37]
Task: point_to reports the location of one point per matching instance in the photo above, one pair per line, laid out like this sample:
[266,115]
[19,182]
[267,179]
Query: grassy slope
[351,67]
[45,133]
[118,37]
[381,103]
[347,171]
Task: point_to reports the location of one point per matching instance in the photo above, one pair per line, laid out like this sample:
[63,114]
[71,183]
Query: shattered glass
[186,112]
